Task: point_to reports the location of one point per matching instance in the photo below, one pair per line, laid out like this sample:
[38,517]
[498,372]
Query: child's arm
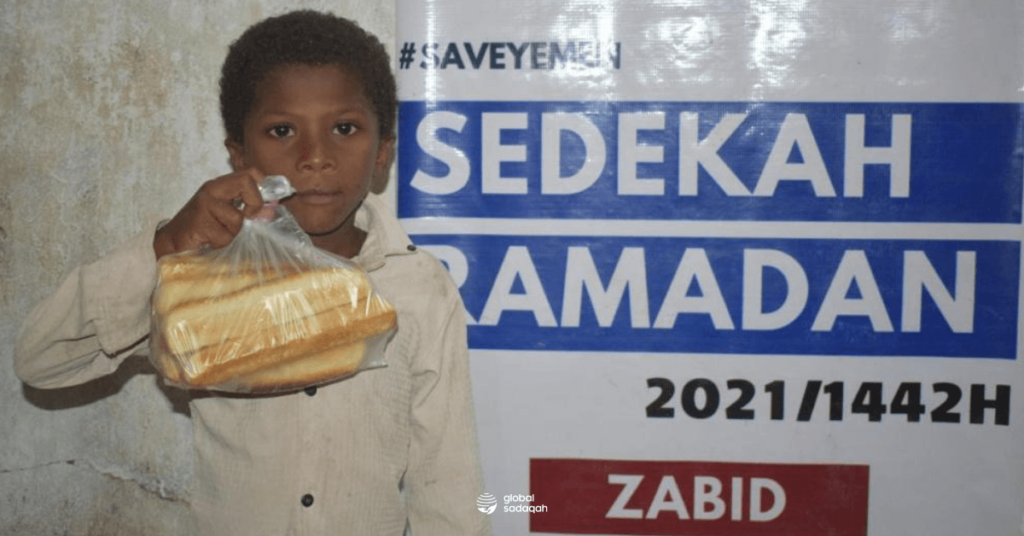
[444,478]
[100,313]
[96,318]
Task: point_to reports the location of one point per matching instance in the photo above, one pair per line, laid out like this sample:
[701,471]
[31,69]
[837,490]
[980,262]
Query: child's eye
[280,131]
[345,129]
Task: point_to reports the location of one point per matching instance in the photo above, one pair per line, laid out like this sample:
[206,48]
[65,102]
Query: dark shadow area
[100,388]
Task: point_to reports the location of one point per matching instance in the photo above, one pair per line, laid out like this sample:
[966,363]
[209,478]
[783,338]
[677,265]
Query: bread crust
[287,308]
[231,361]
[330,364]
[266,330]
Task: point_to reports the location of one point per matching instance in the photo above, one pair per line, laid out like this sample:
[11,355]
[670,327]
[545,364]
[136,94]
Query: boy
[309,96]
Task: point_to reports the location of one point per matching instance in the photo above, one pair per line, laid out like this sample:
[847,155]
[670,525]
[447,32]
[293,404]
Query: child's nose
[315,157]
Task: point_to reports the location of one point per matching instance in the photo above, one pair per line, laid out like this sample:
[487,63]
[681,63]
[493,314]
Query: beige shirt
[383,448]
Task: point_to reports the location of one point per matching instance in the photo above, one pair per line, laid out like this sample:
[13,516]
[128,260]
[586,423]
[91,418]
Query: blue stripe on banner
[848,297]
[851,162]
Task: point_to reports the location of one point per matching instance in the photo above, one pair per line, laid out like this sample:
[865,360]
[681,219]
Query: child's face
[315,126]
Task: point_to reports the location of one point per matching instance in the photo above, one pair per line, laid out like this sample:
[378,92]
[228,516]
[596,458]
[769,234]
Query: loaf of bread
[253,328]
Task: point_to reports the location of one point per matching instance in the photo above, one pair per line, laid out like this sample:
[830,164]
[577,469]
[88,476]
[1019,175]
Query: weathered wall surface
[110,119]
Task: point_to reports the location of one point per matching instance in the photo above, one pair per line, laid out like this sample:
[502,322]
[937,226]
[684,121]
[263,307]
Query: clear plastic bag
[268,313]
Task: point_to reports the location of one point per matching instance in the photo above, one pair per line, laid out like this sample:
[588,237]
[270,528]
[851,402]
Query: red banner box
[583,496]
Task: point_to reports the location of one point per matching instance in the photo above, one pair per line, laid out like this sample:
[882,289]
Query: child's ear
[237,155]
[382,165]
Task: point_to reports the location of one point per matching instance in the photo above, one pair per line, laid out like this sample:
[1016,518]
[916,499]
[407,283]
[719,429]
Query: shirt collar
[384,235]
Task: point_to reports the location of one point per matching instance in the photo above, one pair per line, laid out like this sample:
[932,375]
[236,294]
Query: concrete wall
[109,114]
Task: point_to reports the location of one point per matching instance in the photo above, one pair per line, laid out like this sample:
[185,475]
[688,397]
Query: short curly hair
[304,38]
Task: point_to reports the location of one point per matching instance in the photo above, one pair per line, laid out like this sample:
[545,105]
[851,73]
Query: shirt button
[307,500]
[311,390]
[411,247]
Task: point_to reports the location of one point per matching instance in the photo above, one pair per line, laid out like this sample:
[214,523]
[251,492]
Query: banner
[729,268]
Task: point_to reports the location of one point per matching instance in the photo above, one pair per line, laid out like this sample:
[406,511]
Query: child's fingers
[227,221]
[236,186]
[215,213]
[248,191]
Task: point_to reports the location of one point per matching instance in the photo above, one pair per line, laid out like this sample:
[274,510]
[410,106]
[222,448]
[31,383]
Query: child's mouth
[318,197]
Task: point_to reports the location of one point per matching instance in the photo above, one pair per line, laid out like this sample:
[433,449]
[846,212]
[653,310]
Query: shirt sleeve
[96,318]
[444,478]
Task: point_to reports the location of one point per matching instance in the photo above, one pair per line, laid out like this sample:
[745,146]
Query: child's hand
[211,217]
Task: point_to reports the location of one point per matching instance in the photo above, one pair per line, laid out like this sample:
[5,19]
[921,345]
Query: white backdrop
[730,267]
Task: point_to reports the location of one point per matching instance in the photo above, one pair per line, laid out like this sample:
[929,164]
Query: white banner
[730,268]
